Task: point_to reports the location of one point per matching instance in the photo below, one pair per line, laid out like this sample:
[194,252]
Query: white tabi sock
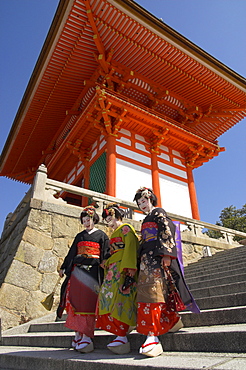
[149,343]
[118,341]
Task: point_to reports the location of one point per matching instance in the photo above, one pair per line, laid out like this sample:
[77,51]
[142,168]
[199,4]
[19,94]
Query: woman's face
[88,223]
[145,204]
[111,221]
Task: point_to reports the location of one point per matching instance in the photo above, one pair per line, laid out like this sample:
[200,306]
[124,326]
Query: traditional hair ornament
[145,192]
[110,211]
[90,210]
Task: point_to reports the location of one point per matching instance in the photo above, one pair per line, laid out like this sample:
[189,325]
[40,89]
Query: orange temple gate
[119,100]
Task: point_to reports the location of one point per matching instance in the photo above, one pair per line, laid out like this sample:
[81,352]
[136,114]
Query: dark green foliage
[231,218]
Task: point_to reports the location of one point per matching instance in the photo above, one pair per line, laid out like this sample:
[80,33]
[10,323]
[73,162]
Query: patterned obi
[149,231]
[116,244]
[91,249]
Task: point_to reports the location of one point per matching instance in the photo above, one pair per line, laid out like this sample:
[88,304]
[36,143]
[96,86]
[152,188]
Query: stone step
[234,253]
[229,253]
[223,316]
[219,338]
[49,327]
[224,289]
[220,301]
[213,275]
[217,316]
[25,358]
[217,282]
[215,266]
[217,258]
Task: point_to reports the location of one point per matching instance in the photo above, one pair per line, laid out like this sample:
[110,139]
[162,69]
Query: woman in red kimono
[89,250]
[158,258]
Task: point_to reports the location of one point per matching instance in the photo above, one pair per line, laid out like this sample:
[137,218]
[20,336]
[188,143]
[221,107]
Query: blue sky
[217,26]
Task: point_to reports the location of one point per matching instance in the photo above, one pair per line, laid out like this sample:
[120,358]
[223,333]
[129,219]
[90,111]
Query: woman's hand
[166,261]
[131,272]
[61,273]
[102,265]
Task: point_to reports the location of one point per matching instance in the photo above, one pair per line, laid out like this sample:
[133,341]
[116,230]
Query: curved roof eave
[48,46]
[169,34]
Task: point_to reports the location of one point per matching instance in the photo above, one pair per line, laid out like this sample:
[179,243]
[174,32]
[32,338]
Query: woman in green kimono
[117,296]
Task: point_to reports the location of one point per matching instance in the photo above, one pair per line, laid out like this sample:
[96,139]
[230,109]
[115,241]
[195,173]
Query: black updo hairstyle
[113,210]
[90,212]
[147,193]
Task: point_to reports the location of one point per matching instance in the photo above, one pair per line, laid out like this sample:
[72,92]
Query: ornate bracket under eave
[157,139]
[76,149]
[108,121]
[196,155]
[192,116]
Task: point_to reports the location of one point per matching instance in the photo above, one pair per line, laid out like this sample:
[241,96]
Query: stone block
[9,319]
[48,283]
[65,227]
[61,246]
[48,263]
[37,238]
[29,254]
[23,276]
[40,221]
[34,308]
[13,297]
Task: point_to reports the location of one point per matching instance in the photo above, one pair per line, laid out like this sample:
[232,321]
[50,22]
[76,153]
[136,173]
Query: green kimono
[121,305]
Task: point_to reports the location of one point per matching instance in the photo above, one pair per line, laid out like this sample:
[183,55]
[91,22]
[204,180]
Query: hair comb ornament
[90,210]
[110,209]
[145,192]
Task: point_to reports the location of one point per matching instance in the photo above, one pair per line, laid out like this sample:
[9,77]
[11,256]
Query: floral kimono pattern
[158,233]
[117,308]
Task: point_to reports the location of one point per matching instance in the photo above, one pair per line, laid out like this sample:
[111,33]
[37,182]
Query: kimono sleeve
[129,258]
[68,261]
[105,247]
[166,233]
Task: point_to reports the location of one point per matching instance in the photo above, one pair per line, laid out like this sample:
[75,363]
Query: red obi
[149,225]
[149,231]
[92,249]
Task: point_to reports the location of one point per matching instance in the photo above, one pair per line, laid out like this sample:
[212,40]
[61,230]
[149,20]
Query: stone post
[38,188]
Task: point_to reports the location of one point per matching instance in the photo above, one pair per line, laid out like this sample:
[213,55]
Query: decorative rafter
[101,57]
[164,61]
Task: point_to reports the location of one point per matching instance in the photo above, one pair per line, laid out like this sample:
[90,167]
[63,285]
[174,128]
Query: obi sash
[90,249]
[116,244]
[149,231]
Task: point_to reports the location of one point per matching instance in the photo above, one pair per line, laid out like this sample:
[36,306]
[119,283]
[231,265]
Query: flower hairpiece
[90,210]
[110,209]
[145,192]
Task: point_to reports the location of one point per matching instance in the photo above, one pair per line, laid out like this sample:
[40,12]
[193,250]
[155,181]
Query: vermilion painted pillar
[86,182]
[193,197]
[111,166]
[155,176]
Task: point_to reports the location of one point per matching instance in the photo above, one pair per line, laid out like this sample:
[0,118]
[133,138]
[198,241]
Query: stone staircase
[213,339]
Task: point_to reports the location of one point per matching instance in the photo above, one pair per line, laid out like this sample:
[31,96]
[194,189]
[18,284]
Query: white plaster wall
[175,196]
[130,177]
